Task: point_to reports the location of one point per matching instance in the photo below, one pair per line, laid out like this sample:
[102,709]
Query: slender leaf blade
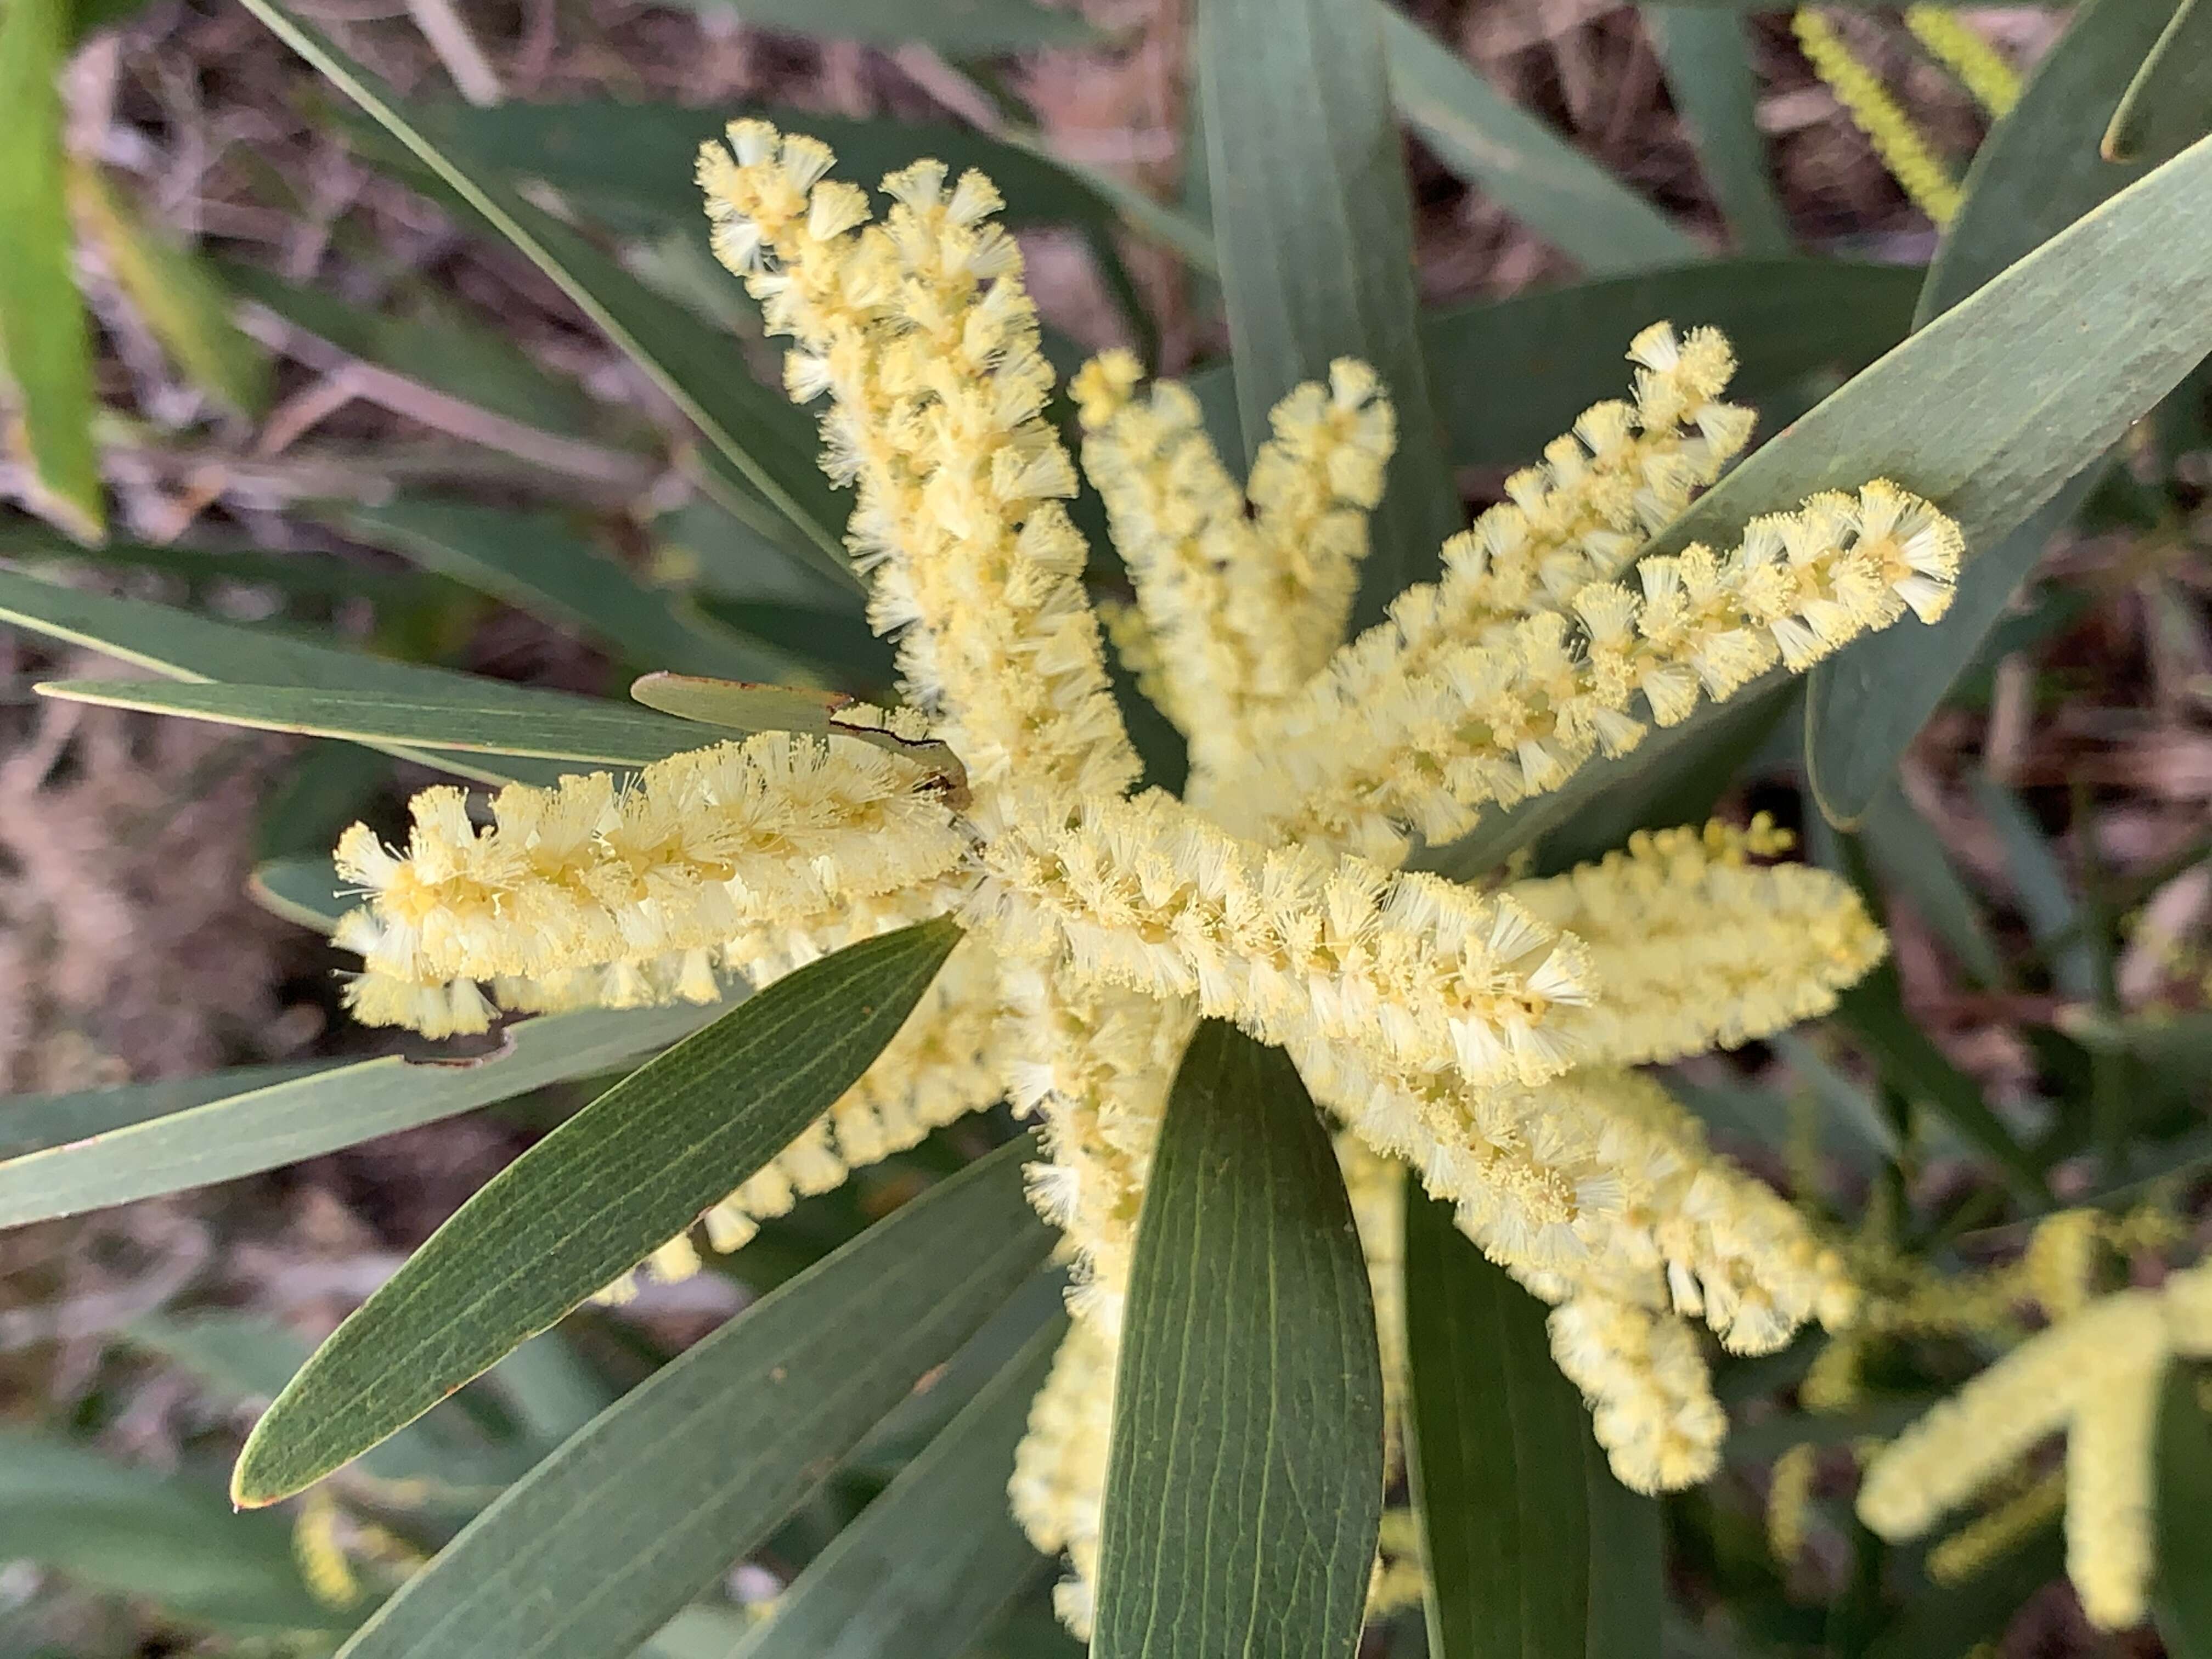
[33,1123]
[590,1201]
[2037,173]
[1494,1450]
[1313,227]
[606,1540]
[1628,1563]
[561,728]
[46,345]
[971,27]
[263,1128]
[1707,54]
[1244,1485]
[926,1566]
[2169,105]
[2181,1595]
[768,444]
[1531,171]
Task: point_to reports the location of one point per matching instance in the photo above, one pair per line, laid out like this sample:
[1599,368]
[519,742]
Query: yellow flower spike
[2097,1374]
[2058,1268]
[1899,144]
[1789,1502]
[1694,948]
[1059,1485]
[1982,1542]
[1994,83]
[1651,1401]
[1402,732]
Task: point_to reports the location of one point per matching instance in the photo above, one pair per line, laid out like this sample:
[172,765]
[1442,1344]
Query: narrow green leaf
[2055,918]
[165,1539]
[768,444]
[1874,1010]
[443,350]
[194,648]
[590,1201]
[2169,105]
[1707,54]
[928,1563]
[180,299]
[610,1536]
[970,28]
[633,163]
[2182,1596]
[837,644]
[1244,1485]
[1532,172]
[1494,1451]
[263,1128]
[306,575]
[2037,173]
[1312,222]
[735,706]
[1628,1563]
[307,890]
[1904,848]
[561,727]
[46,346]
[1563,348]
[534,562]
[32,1123]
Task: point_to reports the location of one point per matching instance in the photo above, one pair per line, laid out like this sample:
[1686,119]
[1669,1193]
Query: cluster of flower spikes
[2097,1374]
[1474,1036]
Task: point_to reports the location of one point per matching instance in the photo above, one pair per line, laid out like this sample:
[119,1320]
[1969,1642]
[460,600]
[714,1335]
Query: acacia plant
[1327,1030]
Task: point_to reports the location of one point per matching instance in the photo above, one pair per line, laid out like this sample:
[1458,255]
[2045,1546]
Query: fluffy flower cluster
[2096,1373]
[1478,1036]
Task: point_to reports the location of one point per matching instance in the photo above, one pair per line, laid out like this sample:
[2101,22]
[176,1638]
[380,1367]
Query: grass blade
[196,1143]
[1312,223]
[923,1570]
[590,1201]
[608,1539]
[1532,172]
[1244,1489]
[46,345]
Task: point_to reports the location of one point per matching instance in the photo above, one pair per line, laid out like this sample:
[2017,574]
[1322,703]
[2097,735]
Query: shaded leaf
[444,351]
[238,1134]
[307,890]
[45,345]
[2057,920]
[1946,1623]
[766,445]
[560,728]
[605,1540]
[735,706]
[932,1561]
[1244,1485]
[1529,170]
[2036,174]
[181,300]
[2182,1594]
[1904,848]
[1494,1451]
[590,1201]
[129,1530]
[534,562]
[1628,1563]
[303,574]
[2168,104]
[1716,91]
[1312,223]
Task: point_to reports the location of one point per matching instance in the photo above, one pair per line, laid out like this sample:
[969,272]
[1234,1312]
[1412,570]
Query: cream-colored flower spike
[2096,1374]
[1477,1036]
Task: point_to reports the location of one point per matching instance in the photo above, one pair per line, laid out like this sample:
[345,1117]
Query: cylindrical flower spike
[1651,1399]
[704,845]
[918,329]
[1288,945]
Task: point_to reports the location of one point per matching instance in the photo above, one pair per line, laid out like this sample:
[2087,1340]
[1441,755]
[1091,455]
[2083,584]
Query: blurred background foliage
[442,365]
